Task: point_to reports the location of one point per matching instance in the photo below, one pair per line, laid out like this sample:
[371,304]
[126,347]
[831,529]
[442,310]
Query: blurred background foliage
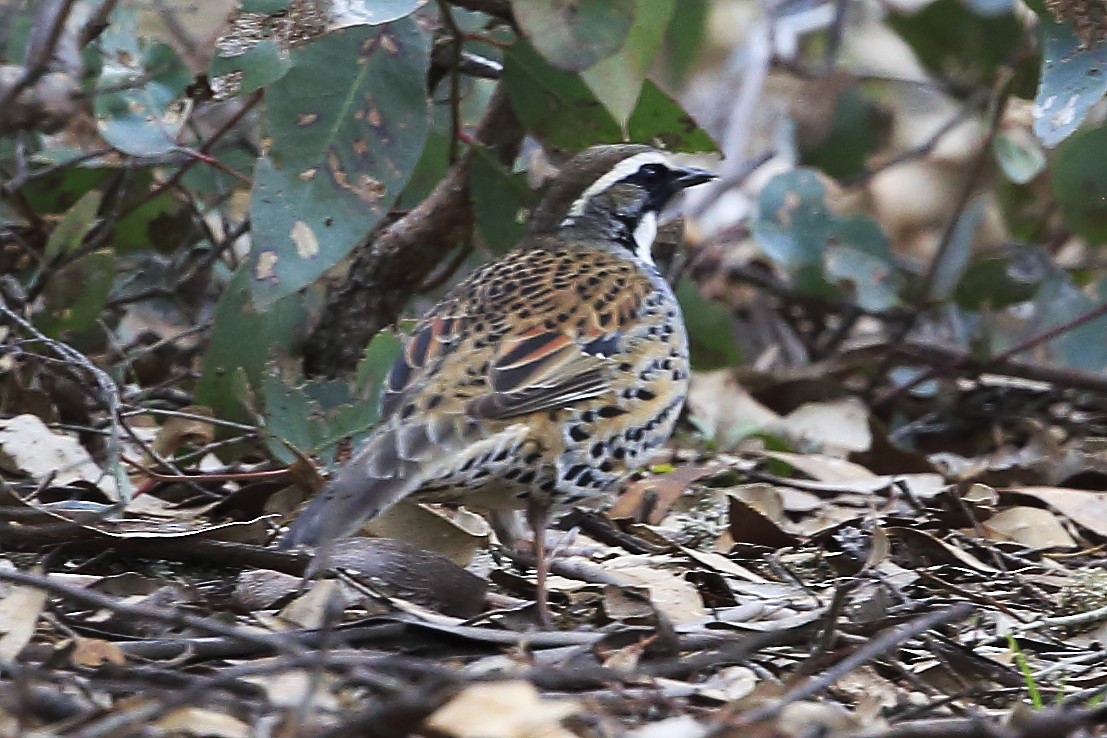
[183,184]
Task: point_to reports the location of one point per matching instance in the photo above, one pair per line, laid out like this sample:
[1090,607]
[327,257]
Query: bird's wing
[570,355]
[532,332]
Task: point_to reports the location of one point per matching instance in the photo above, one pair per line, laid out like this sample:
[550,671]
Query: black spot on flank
[597,450]
[606,466]
[434,402]
[645,394]
[578,434]
[527,477]
[585,479]
[574,472]
[610,411]
[408,410]
[419,345]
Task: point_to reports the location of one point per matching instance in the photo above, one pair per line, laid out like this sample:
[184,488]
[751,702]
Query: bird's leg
[538,514]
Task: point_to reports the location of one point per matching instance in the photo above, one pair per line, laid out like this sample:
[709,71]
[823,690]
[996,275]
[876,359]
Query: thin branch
[46,31]
[109,392]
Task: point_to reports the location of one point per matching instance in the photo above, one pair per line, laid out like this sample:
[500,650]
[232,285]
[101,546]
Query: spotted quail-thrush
[545,377]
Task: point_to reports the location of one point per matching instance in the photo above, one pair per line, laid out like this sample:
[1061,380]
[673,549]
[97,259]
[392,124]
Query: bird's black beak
[692,176]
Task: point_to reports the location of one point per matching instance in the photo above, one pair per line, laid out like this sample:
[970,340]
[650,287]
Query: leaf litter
[783,565]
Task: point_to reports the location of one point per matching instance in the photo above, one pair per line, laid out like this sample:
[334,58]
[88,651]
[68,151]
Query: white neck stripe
[644,236]
[622,170]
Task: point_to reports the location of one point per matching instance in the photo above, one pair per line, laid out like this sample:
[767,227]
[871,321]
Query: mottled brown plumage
[546,376]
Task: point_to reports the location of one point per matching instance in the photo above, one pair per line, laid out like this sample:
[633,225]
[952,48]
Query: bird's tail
[370,483]
[394,463]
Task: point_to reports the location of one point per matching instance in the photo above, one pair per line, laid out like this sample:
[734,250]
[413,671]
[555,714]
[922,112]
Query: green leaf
[575,35]
[345,139]
[793,223]
[993,283]
[856,131]
[370,12]
[958,43]
[501,201]
[1079,180]
[1019,156]
[259,64]
[555,106]
[314,416]
[661,121]
[76,295]
[251,53]
[1072,81]
[823,251]
[617,80]
[241,338]
[138,91]
[74,226]
[684,40]
[710,330]
[1059,301]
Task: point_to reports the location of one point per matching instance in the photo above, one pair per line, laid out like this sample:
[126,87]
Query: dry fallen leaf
[670,593]
[176,430]
[656,494]
[1086,509]
[457,536]
[202,722]
[28,446]
[1030,526]
[19,611]
[92,652]
[510,709]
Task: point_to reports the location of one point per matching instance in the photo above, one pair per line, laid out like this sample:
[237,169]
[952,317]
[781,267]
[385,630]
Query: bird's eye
[651,174]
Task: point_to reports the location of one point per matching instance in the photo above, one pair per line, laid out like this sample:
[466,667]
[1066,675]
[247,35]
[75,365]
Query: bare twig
[873,650]
[109,392]
[46,31]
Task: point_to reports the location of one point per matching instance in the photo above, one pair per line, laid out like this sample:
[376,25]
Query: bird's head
[615,193]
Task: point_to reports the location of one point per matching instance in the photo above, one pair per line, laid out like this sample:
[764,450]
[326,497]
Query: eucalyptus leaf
[575,35]
[501,202]
[1019,156]
[137,102]
[617,80]
[313,416]
[954,260]
[76,294]
[1079,180]
[345,139]
[241,338]
[1073,80]
[554,105]
[74,226]
[824,252]
[660,120]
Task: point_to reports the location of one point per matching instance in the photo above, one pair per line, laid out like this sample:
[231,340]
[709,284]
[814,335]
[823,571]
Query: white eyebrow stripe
[622,170]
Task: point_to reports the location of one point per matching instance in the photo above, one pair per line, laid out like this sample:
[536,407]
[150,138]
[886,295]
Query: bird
[545,378]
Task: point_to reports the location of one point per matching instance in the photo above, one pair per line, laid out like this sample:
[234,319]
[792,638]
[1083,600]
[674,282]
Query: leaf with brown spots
[348,124]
